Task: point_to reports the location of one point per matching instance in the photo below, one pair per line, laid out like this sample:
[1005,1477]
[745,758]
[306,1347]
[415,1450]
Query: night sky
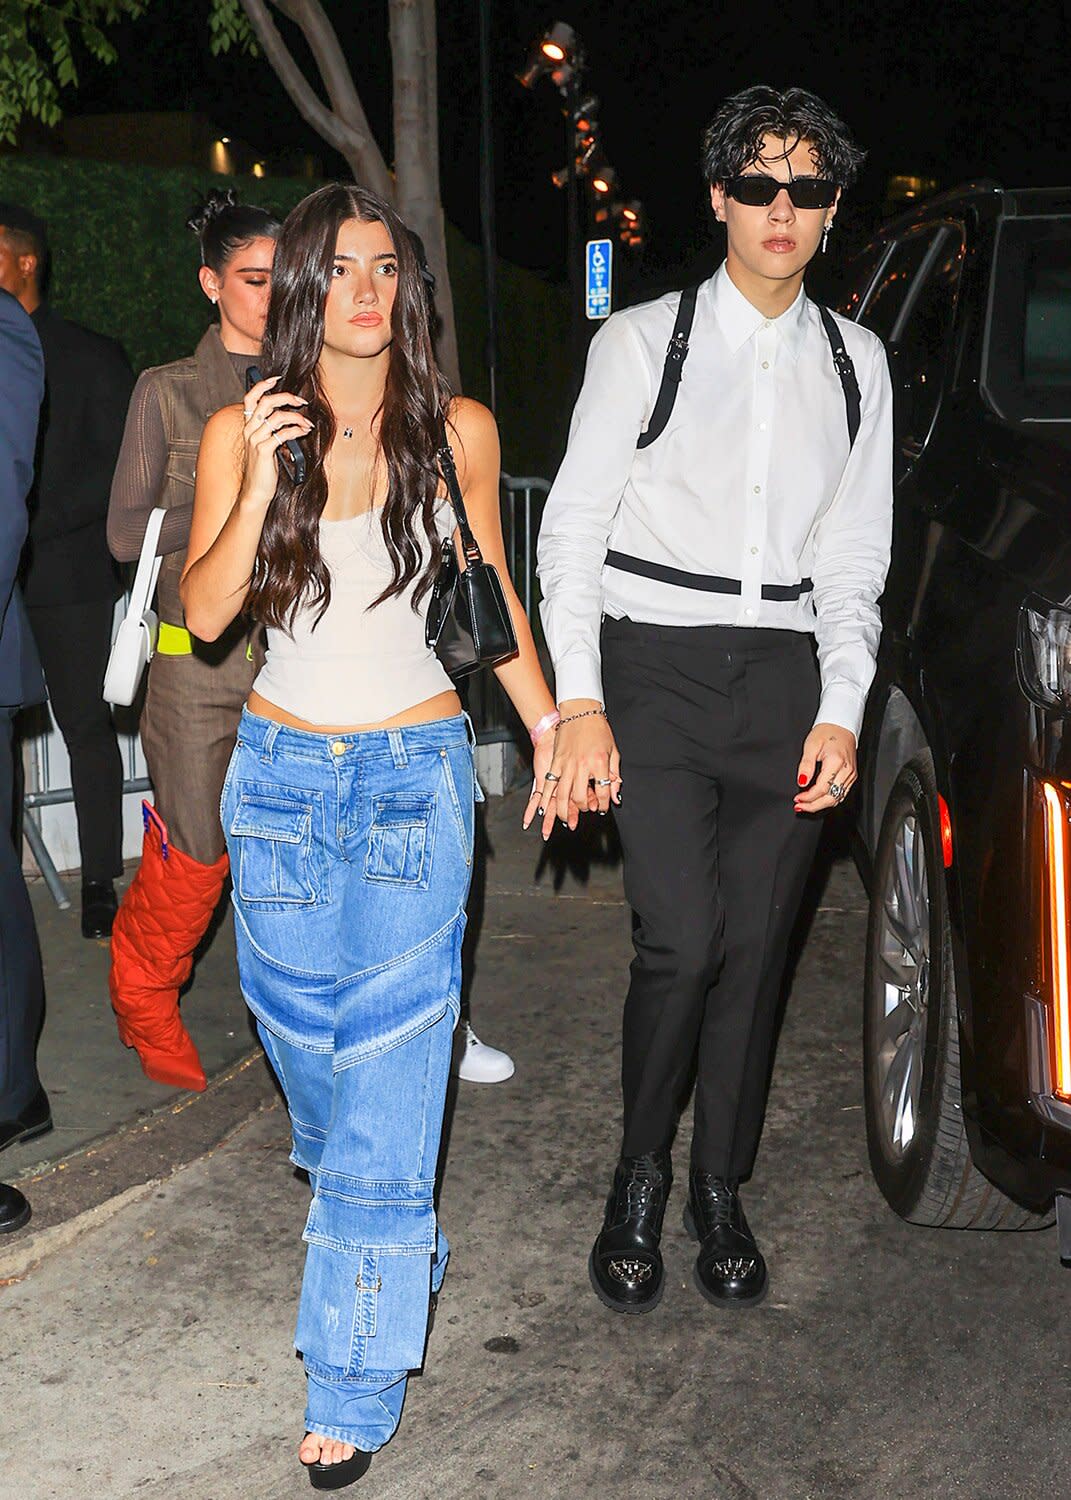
[950,91]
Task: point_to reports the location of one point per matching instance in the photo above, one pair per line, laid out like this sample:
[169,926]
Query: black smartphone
[291,455]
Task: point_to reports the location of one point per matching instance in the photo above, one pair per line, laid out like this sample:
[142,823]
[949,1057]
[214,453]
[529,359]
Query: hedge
[124,264]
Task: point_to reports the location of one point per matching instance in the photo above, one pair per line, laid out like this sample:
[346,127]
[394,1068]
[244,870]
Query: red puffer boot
[161,919]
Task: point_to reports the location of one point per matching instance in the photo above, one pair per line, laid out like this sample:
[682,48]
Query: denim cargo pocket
[400,839]
[276,860]
[364,1307]
[337,1314]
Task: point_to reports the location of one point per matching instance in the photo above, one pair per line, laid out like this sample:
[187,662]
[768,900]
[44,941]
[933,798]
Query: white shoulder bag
[135,642]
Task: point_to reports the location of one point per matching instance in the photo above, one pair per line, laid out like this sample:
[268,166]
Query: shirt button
[338,747]
[750,613]
[762,426]
[766,364]
[758,489]
[754,551]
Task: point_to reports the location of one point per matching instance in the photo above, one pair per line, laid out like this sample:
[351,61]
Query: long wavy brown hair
[289,572]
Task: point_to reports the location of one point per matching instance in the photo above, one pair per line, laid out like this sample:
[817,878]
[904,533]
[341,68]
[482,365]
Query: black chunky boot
[729,1270]
[626,1263]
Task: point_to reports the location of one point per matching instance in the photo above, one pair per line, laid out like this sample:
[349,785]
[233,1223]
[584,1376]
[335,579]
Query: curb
[96,1182]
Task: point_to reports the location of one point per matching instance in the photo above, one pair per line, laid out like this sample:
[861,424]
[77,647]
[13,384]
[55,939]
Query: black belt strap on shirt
[677,353]
[708,583]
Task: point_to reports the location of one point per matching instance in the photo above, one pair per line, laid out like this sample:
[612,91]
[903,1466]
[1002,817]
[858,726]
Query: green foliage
[38,39]
[124,264]
[228,26]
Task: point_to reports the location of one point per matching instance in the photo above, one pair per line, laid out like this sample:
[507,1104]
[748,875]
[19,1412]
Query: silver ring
[606,781]
[836,791]
[550,776]
[247,412]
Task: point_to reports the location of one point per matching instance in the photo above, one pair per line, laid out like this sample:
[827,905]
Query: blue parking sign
[600,281]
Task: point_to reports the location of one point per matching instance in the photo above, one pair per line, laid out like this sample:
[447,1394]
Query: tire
[919,1153]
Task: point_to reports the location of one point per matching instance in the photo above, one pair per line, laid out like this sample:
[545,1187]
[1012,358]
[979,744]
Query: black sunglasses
[759,191]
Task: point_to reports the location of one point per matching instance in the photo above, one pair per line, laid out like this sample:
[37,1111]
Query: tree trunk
[342,123]
[416,154]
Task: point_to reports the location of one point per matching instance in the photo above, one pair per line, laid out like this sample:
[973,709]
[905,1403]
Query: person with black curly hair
[724,505]
[195,692]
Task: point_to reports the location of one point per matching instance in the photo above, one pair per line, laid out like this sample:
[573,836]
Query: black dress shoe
[338,1476]
[99,906]
[626,1263]
[14,1210]
[729,1270]
[35,1119]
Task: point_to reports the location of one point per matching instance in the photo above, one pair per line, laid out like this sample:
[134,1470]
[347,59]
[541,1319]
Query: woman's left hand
[542,759]
[833,748]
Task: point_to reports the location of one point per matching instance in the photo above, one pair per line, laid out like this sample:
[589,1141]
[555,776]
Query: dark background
[951,91]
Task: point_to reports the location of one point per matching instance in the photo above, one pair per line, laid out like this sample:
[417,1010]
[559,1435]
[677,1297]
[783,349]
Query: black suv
[965,794]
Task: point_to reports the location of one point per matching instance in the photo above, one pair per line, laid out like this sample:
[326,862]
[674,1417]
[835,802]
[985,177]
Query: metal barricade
[522,500]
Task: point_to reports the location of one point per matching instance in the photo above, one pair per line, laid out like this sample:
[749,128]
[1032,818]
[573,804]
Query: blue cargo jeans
[350,858]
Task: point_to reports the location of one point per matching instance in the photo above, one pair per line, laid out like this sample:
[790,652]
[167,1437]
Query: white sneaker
[483,1064]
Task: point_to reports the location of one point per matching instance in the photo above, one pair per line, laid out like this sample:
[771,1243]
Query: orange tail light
[1056,844]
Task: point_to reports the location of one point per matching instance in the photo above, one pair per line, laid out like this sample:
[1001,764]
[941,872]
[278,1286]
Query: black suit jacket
[88,381]
[21,384]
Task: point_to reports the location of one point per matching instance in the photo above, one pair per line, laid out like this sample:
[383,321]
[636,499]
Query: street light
[557,52]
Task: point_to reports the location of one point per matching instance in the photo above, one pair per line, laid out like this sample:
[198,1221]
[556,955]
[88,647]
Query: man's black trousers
[73,641]
[21,987]
[710,722]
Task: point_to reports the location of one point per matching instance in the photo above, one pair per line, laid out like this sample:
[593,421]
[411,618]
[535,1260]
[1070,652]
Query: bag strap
[148,571]
[853,402]
[676,354]
[469,545]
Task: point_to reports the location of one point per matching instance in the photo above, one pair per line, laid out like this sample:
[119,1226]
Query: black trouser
[710,722]
[21,985]
[74,641]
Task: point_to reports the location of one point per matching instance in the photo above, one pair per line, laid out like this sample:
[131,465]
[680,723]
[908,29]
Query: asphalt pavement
[148,1313]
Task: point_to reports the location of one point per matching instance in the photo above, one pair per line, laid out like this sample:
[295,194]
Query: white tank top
[356,665]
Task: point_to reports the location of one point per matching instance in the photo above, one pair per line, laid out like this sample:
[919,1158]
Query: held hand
[833,748]
[269,423]
[542,759]
[585,774]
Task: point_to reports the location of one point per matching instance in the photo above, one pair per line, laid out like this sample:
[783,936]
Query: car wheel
[911,1078]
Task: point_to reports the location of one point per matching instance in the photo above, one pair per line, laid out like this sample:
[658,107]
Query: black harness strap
[853,402]
[676,354]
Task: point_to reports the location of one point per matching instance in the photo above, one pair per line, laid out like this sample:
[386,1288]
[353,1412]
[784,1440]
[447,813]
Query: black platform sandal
[338,1476]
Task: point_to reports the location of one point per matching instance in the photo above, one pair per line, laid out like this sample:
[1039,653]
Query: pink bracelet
[548,721]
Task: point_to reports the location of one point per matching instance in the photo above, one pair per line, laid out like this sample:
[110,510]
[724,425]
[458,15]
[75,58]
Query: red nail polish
[802,779]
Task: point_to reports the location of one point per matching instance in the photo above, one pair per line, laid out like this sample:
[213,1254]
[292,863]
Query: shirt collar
[739,320]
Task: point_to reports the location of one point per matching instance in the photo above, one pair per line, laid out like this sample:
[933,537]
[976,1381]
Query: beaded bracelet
[548,721]
[586,713]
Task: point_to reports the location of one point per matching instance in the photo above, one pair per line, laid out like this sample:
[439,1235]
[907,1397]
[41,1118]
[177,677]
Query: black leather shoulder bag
[468,622]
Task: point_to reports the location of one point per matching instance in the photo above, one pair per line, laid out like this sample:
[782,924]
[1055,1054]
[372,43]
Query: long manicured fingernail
[802,779]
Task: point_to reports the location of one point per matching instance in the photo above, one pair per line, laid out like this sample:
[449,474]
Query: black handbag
[468,622]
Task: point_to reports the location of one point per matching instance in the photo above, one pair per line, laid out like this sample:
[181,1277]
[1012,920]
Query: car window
[889,294]
[855,285]
[1027,363]
[921,339]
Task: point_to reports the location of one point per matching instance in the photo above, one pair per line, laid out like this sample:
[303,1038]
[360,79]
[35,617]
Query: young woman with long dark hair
[195,694]
[349,803]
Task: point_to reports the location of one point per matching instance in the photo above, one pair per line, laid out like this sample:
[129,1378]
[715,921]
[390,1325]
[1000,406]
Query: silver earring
[825,236]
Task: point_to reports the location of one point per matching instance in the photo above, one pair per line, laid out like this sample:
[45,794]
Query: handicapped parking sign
[599,278]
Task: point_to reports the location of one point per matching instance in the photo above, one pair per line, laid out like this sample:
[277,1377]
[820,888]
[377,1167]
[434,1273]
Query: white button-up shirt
[751,484]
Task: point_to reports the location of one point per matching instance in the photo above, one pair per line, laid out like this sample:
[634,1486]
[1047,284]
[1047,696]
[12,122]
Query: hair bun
[211,207]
